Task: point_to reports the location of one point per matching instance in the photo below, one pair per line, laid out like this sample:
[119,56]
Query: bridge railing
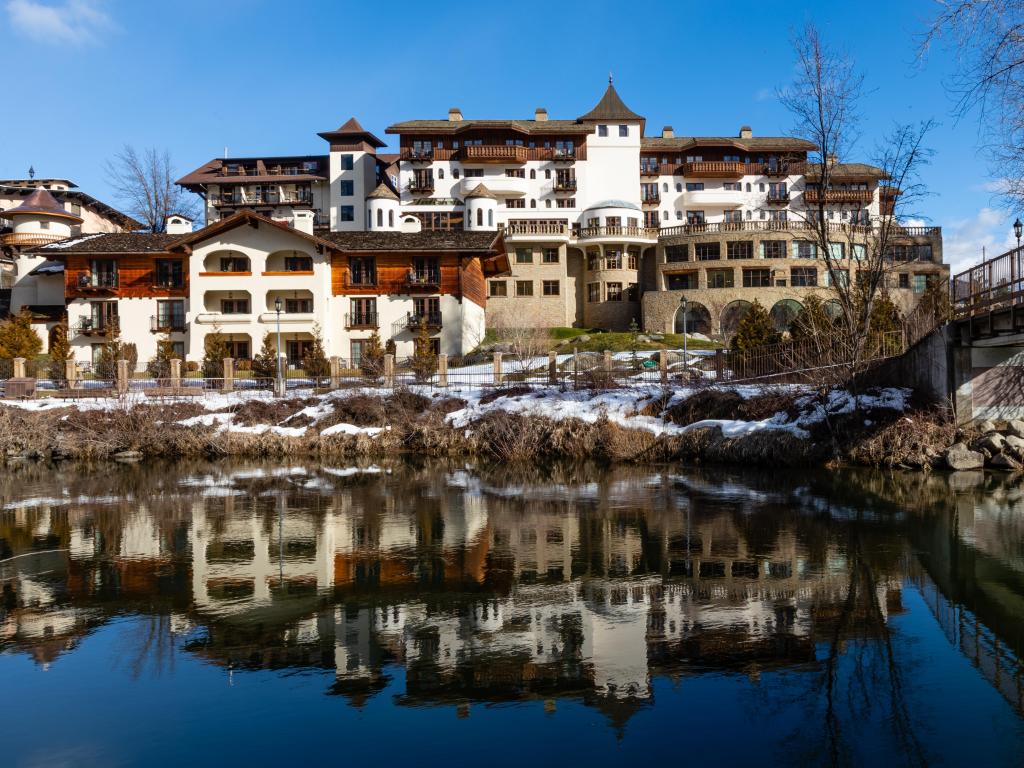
[997,283]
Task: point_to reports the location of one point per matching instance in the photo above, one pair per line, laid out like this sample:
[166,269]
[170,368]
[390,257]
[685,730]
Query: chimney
[667,132]
[303,221]
[746,132]
[541,115]
[454,115]
[176,224]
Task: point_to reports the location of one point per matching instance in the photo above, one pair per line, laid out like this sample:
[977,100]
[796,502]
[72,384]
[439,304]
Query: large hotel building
[584,222]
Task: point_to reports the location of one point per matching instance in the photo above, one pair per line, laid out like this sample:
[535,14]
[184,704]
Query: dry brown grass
[915,440]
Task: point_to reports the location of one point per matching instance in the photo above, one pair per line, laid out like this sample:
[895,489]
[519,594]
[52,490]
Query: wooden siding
[474,287]
[136,276]
[392,270]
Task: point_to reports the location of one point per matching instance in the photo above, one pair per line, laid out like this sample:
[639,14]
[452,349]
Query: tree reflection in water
[573,584]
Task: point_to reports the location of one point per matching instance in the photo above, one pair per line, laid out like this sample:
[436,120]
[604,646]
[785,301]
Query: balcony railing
[361,320]
[715,169]
[495,153]
[28,238]
[417,185]
[650,170]
[539,228]
[423,281]
[96,326]
[813,196]
[285,199]
[781,169]
[778,198]
[563,155]
[651,198]
[646,233]
[565,185]
[101,281]
[360,280]
[172,324]
[418,155]
[414,322]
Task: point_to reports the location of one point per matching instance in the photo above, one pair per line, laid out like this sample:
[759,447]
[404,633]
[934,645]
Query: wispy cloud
[74,22]
[964,241]
[764,94]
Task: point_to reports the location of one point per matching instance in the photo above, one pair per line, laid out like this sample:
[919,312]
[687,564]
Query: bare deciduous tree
[144,183]
[825,103]
[527,343]
[987,38]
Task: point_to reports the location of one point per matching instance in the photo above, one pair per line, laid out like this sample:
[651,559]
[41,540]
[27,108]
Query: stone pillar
[442,370]
[499,372]
[71,373]
[663,366]
[719,364]
[552,367]
[19,368]
[175,373]
[389,370]
[122,376]
[335,372]
[608,361]
[229,374]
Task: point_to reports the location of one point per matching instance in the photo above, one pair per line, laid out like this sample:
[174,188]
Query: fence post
[663,366]
[71,373]
[389,370]
[607,361]
[335,372]
[719,364]
[19,368]
[122,376]
[575,367]
[552,367]
[229,374]
[442,370]
[499,373]
[175,373]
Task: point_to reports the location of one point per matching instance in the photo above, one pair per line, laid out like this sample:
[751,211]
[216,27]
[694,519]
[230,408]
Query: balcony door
[428,308]
[103,315]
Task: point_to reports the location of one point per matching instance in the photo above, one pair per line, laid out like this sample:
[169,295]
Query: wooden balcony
[651,170]
[25,239]
[564,185]
[421,186]
[172,324]
[97,283]
[424,282]
[778,198]
[840,196]
[356,320]
[495,153]
[715,169]
[651,198]
[418,156]
[98,327]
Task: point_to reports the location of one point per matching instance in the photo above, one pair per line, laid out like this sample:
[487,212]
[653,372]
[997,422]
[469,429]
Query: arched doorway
[784,313]
[698,319]
[733,315]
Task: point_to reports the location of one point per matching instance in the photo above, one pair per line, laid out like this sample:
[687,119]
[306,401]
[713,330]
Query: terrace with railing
[993,285]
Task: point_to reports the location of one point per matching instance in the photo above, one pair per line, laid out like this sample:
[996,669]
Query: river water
[437,613]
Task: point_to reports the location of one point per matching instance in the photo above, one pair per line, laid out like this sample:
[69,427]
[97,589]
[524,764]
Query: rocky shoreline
[990,447]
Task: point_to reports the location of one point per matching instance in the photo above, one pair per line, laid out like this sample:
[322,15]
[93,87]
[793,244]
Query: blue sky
[260,77]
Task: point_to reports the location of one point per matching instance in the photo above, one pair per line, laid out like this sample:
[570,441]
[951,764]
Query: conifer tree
[813,321]
[371,363]
[110,353]
[424,361]
[159,367]
[314,359]
[60,351]
[18,338]
[264,365]
[215,348]
[754,330]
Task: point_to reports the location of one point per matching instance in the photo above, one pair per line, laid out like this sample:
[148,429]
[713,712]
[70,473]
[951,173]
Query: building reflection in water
[500,588]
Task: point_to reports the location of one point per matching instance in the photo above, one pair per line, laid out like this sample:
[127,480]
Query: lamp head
[277,304]
[1018,228]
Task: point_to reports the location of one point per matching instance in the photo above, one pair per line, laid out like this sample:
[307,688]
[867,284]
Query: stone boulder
[583,339]
[992,442]
[1014,444]
[959,456]
[660,337]
[986,425]
[1015,427]
[1004,461]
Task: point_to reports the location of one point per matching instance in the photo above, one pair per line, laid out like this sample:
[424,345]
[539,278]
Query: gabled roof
[610,107]
[352,131]
[755,143]
[426,240]
[847,171]
[244,216]
[41,203]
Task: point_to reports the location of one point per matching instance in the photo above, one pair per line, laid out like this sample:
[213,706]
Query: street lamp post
[686,306]
[1018,230]
[280,372]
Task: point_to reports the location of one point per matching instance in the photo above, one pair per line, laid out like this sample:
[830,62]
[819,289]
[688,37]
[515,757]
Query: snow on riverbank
[647,408]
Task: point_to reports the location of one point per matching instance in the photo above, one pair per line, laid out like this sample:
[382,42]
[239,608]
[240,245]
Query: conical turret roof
[481,190]
[40,203]
[610,107]
[382,192]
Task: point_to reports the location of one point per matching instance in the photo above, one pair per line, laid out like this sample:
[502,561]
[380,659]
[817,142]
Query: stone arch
[784,312]
[698,319]
[732,315]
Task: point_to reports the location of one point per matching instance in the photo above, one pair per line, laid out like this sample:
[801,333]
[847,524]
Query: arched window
[391,218]
[455,173]
[533,174]
[748,186]
[547,203]
[533,203]
[664,187]
[664,215]
[369,220]
[490,218]
[749,215]
[380,218]
[679,186]
[440,173]
[479,217]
